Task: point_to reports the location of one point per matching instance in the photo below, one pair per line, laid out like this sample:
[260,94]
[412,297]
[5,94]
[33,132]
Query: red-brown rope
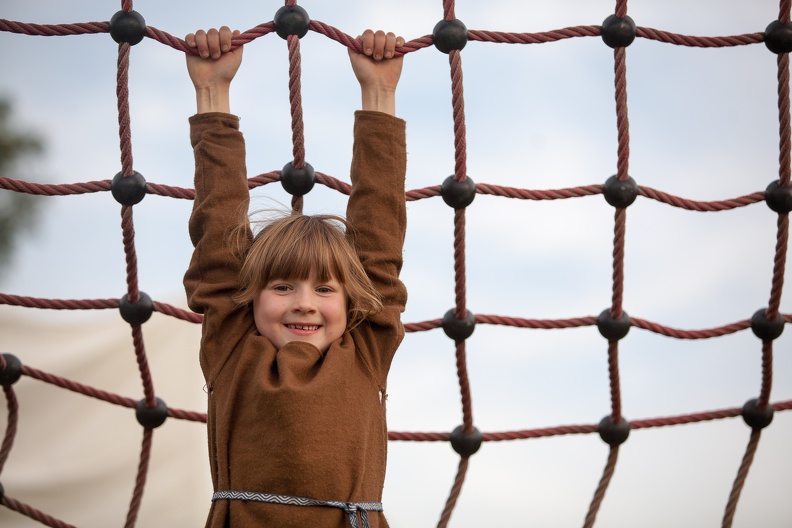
[140,481]
[739,481]
[12,406]
[456,489]
[602,487]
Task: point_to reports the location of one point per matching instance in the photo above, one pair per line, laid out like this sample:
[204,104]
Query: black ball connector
[779,197]
[620,193]
[128,190]
[465,444]
[151,418]
[291,20]
[613,329]
[136,313]
[458,194]
[458,329]
[618,32]
[778,37]
[764,328]
[450,35]
[613,434]
[127,26]
[755,417]
[297,182]
[12,371]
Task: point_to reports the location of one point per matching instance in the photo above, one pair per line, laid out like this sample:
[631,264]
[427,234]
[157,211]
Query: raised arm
[376,207]
[221,197]
[213,69]
[377,71]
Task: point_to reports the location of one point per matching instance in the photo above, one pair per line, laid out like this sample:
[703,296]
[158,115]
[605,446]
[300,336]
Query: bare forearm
[213,99]
[379,100]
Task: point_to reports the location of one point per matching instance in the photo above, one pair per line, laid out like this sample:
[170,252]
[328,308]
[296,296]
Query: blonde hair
[293,246]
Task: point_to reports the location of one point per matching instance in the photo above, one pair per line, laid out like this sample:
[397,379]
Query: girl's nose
[303,300]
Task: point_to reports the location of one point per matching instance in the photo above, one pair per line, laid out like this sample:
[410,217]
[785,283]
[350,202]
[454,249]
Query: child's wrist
[379,99]
[213,98]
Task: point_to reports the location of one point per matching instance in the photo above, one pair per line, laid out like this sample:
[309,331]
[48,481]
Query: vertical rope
[458,104]
[621,8]
[739,481]
[124,120]
[448,10]
[615,384]
[599,494]
[11,424]
[143,367]
[622,120]
[619,235]
[140,481]
[128,235]
[459,264]
[464,387]
[295,98]
[785,7]
[456,489]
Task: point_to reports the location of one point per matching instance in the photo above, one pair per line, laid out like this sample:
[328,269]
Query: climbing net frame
[458,191]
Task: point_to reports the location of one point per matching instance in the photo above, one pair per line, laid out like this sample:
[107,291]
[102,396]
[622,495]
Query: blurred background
[703,126]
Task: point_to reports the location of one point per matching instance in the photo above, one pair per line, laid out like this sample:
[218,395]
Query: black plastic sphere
[129,190]
[620,193]
[450,35]
[459,329]
[764,328]
[613,329]
[465,444]
[458,194]
[779,197]
[151,418]
[12,371]
[755,417]
[127,26]
[778,37]
[613,434]
[136,313]
[298,182]
[291,20]
[618,32]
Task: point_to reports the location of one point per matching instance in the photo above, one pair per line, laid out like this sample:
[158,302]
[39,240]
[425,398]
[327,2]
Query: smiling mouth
[305,328]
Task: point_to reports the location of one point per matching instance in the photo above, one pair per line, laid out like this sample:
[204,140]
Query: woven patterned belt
[353,509]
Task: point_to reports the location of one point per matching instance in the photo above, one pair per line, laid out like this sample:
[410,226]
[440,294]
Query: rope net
[450,36]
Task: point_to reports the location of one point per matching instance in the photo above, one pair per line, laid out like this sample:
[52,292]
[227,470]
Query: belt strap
[353,509]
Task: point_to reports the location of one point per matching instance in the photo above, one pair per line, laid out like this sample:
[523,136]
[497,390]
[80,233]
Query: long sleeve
[221,203]
[377,214]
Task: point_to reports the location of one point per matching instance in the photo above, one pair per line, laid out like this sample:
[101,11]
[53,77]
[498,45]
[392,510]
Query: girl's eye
[280,287]
[324,289]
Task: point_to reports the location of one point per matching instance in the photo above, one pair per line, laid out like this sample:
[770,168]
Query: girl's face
[301,310]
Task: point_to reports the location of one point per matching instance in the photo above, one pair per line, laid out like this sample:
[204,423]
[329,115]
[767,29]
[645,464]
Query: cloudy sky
[703,126]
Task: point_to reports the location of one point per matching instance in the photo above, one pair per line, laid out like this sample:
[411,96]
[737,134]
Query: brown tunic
[294,421]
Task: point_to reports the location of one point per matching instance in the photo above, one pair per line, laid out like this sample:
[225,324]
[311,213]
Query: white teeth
[303,327]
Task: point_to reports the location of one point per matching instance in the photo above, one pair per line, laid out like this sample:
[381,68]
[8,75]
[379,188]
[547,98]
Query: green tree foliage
[17,211]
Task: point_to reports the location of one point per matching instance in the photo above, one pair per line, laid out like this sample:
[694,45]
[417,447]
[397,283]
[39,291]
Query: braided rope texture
[613,349]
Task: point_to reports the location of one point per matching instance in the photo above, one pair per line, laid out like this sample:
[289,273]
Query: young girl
[299,332]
